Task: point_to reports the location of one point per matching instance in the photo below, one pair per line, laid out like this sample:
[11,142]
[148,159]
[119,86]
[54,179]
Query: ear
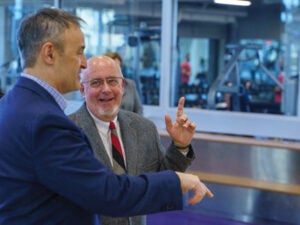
[48,52]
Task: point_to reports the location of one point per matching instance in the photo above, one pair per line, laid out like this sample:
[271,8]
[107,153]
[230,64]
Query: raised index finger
[180,107]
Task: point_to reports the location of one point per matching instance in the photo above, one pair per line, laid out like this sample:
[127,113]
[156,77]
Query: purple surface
[188,218]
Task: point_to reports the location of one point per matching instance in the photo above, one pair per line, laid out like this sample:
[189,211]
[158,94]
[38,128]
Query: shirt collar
[59,98]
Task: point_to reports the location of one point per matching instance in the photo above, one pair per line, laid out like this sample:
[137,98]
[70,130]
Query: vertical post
[57,3]
[17,16]
[168,46]
[297,95]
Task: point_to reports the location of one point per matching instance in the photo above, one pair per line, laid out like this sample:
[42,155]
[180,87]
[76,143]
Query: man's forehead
[101,66]
[102,71]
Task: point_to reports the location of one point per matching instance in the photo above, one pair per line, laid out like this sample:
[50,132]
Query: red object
[116,145]
[185,69]
[278,92]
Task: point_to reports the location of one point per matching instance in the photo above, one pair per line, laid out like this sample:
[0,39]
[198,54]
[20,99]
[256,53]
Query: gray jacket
[143,150]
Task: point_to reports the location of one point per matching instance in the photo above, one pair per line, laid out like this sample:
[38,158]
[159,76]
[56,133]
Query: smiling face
[103,97]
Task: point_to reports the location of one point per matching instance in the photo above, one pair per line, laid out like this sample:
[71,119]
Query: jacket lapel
[89,127]
[129,138]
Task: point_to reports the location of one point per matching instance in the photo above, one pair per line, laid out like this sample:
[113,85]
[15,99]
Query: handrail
[240,181]
[285,188]
[233,139]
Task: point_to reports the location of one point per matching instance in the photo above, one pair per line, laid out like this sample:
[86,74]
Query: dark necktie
[116,146]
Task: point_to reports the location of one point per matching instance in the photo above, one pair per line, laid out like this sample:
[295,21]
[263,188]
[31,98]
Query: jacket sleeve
[178,161]
[171,158]
[65,164]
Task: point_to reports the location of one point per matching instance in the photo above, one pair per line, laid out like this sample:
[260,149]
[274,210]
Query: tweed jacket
[143,149]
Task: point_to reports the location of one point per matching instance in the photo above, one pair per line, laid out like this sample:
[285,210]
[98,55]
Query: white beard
[109,113]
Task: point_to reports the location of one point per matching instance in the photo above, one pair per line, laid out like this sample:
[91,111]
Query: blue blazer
[49,175]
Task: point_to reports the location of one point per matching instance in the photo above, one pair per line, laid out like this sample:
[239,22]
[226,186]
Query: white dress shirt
[104,132]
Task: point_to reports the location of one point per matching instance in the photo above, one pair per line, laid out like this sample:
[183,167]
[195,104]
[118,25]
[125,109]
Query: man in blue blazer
[48,174]
[139,137]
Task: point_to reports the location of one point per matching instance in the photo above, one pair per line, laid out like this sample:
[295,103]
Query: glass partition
[130,29]
[228,66]
[193,71]
[216,40]
[11,12]
[133,29]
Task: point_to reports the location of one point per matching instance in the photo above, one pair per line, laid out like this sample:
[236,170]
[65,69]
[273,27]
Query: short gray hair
[47,24]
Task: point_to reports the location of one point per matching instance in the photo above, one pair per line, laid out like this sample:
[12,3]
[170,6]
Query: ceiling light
[233,2]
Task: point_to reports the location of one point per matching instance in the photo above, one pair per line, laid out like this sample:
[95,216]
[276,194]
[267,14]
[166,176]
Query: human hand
[191,182]
[182,130]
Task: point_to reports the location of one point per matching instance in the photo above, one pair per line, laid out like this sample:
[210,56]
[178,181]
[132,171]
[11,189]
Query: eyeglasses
[111,81]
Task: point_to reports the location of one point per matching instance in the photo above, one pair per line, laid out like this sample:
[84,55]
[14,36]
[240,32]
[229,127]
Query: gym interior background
[228,46]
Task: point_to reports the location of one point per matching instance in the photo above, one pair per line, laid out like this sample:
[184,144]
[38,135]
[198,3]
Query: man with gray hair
[102,87]
[48,173]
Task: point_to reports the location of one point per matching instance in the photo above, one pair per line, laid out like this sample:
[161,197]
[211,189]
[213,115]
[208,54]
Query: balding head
[102,86]
[100,63]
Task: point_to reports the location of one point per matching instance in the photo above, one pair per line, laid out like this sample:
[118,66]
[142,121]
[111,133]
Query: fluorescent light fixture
[233,2]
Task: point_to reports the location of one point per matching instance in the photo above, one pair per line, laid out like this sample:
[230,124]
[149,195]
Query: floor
[190,218]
